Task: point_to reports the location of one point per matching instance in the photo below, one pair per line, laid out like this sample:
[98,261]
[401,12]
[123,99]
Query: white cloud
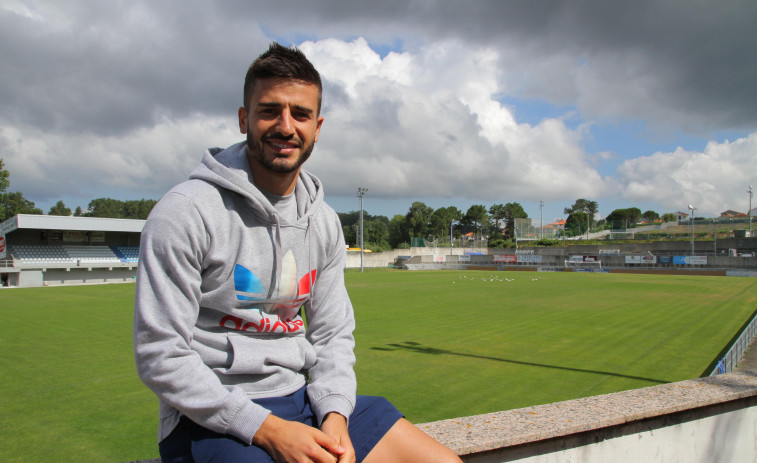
[431,126]
[144,163]
[713,180]
[101,101]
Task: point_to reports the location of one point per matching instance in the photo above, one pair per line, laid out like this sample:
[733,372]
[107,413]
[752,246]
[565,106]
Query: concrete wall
[705,420]
[702,420]
[31,277]
[387,258]
[716,434]
[54,277]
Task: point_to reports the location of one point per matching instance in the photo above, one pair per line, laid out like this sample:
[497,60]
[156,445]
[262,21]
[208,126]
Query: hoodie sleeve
[331,322]
[174,241]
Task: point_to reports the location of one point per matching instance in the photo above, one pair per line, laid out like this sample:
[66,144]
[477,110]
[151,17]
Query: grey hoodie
[220,284]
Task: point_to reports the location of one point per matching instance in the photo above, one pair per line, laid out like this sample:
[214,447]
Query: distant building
[729,214]
[556,225]
[681,216]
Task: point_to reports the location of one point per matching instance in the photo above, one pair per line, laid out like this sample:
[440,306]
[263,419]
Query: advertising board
[530,259]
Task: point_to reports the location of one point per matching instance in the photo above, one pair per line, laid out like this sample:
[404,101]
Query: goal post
[621,235]
[581,264]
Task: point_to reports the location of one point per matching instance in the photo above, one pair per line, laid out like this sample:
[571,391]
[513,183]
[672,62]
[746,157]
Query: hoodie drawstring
[309,239]
[277,246]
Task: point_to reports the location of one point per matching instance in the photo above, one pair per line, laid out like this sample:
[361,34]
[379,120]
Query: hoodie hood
[229,169]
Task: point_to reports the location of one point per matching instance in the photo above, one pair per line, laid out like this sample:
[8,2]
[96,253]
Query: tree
[417,218]
[498,213]
[669,217]
[78,211]
[584,206]
[477,217]
[59,209]
[442,218]
[117,209]
[376,232]
[618,219]
[138,209]
[398,231]
[650,216]
[15,203]
[634,215]
[624,218]
[576,223]
[513,211]
[105,207]
[4,177]
[351,227]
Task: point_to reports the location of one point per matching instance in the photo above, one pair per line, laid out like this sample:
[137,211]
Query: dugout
[43,250]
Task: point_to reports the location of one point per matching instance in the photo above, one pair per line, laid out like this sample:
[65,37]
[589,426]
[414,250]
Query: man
[229,260]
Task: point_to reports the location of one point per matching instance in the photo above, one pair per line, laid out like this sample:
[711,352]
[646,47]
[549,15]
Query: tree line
[422,221]
[496,224]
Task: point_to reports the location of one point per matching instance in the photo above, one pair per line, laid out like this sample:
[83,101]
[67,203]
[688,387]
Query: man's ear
[242,113]
[319,123]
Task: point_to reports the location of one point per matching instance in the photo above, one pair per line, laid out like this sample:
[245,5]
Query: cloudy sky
[649,104]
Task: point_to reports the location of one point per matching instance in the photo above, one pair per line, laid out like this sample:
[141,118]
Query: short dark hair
[281,61]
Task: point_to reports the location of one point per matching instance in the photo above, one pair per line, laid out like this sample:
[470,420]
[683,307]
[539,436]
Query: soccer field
[446,344]
[438,344]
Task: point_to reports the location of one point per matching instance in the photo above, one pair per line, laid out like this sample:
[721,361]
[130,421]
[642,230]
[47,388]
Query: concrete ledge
[500,434]
[537,433]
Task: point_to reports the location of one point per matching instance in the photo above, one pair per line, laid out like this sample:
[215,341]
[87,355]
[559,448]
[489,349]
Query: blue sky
[643,104]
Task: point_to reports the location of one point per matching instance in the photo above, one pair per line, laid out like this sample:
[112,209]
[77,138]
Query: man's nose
[285,123]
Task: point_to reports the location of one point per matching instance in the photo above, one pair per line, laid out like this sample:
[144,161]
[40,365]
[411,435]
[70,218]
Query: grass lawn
[438,344]
[447,344]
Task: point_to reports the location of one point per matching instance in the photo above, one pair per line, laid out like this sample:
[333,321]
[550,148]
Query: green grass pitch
[438,344]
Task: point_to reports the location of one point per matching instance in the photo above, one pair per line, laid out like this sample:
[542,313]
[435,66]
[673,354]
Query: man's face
[282,123]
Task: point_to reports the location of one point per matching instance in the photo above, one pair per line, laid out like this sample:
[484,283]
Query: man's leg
[192,443]
[404,443]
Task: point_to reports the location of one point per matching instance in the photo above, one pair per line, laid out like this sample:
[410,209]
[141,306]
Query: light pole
[452,222]
[360,194]
[588,218]
[541,218]
[749,212]
[691,217]
[715,235]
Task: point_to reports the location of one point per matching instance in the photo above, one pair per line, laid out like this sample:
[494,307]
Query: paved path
[749,361]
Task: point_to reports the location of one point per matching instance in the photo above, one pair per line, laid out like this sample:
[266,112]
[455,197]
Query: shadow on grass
[418,348]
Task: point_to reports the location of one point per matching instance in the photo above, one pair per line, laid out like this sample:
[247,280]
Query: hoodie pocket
[264,356]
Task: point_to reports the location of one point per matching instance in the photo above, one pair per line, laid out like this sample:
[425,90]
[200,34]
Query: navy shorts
[190,442]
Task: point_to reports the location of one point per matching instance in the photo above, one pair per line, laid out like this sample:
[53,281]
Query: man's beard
[255,148]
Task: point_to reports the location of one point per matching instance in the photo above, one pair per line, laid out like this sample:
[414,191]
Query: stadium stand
[73,255]
[126,253]
[39,250]
[33,254]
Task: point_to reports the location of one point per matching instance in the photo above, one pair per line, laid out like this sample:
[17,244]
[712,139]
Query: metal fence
[525,230]
[734,354]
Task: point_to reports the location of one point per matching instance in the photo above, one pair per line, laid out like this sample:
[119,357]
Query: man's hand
[335,425]
[292,442]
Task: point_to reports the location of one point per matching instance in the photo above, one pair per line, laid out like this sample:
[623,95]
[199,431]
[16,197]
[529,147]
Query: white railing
[736,352]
